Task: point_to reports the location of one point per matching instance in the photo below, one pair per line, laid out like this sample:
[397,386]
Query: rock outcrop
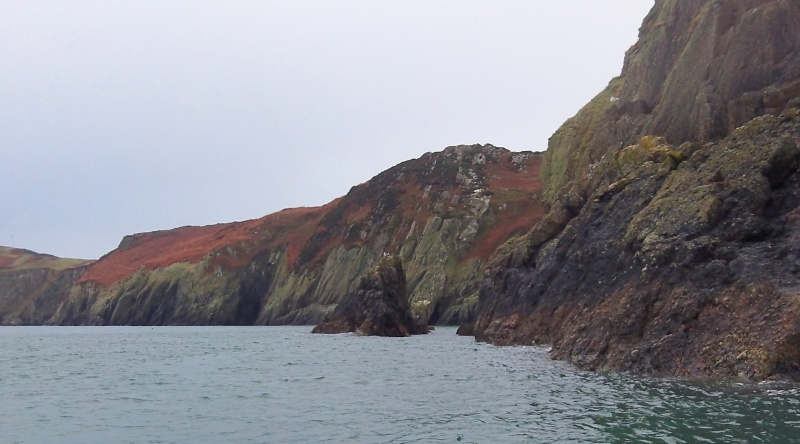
[671,242]
[377,307]
[443,214]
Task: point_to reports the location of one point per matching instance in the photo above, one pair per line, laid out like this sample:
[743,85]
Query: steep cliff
[700,69]
[443,214]
[670,245]
[32,285]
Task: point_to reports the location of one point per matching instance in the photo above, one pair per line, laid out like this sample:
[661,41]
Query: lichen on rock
[700,69]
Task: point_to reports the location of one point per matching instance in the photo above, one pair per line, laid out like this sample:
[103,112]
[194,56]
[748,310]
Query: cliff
[443,214]
[670,244]
[665,229]
[700,69]
[32,285]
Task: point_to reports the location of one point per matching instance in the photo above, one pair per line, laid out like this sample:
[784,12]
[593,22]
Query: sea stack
[377,307]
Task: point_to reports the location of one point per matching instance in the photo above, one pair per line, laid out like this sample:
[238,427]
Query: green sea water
[284,385]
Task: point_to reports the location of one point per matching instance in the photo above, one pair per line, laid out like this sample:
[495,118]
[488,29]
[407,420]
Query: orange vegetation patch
[290,228]
[518,214]
[18,257]
[516,219]
[504,174]
[298,230]
[360,214]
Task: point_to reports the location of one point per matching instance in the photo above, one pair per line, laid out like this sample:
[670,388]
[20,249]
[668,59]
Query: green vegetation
[649,148]
[569,152]
[19,259]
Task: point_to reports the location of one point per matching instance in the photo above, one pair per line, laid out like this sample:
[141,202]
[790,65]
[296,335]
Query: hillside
[443,214]
[18,259]
[659,233]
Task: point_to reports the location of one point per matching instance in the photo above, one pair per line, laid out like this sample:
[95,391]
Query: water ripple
[282,384]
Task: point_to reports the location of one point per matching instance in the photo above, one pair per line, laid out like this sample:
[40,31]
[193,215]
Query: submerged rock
[377,307]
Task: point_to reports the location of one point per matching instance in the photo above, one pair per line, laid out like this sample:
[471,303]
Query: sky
[119,117]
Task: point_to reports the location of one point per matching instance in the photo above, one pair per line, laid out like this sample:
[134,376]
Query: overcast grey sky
[119,117]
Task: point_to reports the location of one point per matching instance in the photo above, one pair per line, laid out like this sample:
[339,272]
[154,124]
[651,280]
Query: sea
[195,385]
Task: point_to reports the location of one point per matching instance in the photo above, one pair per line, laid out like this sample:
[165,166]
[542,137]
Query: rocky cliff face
[700,69]
[443,214]
[33,285]
[670,245]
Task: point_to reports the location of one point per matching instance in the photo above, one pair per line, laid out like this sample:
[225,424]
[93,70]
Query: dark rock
[466,330]
[681,271]
[377,307]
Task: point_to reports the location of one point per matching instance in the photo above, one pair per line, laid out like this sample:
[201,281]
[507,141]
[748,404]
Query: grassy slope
[17,259]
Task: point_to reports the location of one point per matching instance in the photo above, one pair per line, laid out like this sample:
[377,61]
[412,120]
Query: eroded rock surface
[700,69]
[684,261]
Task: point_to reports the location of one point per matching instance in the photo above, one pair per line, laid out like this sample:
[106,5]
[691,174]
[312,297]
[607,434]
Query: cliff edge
[700,69]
